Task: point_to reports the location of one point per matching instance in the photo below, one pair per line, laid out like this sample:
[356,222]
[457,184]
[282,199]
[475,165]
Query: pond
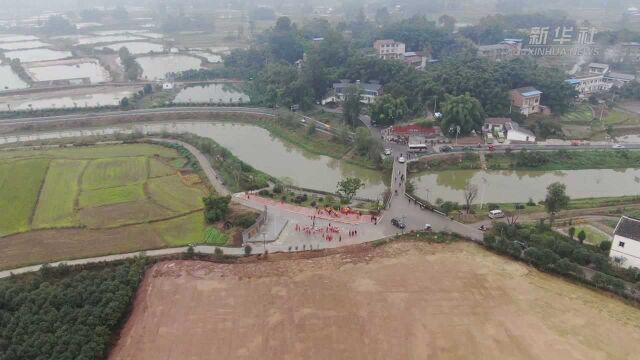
[518,186]
[10,80]
[74,70]
[253,145]
[107,39]
[135,47]
[19,45]
[156,67]
[212,93]
[212,58]
[67,101]
[16,38]
[33,55]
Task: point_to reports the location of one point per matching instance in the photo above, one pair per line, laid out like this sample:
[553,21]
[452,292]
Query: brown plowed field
[400,301]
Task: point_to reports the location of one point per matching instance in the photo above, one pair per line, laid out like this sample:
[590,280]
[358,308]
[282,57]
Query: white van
[496,214]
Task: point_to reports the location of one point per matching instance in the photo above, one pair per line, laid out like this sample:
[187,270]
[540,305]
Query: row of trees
[60,314]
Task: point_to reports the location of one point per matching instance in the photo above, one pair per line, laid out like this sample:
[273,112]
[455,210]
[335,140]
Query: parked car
[427,227]
[387,151]
[618,146]
[445,148]
[401,160]
[398,223]
[496,214]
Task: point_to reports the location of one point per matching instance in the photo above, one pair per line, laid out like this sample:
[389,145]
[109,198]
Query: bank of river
[509,186]
[253,145]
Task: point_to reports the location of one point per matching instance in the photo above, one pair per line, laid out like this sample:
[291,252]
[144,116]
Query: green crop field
[57,198]
[20,183]
[111,195]
[189,229]
[95,200]
[104,173]
[171,193]
[158,169]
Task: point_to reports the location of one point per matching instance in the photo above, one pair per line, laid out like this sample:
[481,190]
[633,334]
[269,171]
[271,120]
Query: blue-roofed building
[527,99]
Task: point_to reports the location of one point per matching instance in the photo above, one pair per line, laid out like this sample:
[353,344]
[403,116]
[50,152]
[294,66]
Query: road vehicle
[398,223]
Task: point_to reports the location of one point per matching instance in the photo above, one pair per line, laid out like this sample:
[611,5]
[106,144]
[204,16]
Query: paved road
[159,111]
[205,165]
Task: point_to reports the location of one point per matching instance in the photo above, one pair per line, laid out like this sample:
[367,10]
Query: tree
[58,24]
[387,110]
[572,232]
[605,245]
[216,207]
[148,89]
[382,16]
[351,105]
[283,41]
[347,188]
[470,193]
[556,200]
[447,22]
[124,102]
[582,236]
[464,111]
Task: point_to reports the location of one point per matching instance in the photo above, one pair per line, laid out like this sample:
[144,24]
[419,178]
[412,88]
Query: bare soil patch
[400,301]
[43,246]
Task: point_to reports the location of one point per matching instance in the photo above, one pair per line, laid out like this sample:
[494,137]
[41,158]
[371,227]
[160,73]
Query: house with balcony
[527,100]
[389,49]
[598,78]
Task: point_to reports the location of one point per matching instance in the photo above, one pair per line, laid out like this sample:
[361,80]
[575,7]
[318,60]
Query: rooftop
[528,91]
[620,76]
[599,65]
[364,86]
[628,227]
[497,121]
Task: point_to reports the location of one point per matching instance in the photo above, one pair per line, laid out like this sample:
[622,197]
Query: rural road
[205,165]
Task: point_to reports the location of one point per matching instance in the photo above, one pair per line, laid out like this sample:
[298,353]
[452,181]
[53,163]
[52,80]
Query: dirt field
[400,301]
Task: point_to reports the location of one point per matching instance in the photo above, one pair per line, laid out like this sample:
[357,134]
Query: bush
[216,207]
[531,202]
[218,253]
[604,281]
[489,240]
[605,245]
[313,203]
[278,188]
[520,207]
[247,249]
[264,192]
[492,206]
[245,220]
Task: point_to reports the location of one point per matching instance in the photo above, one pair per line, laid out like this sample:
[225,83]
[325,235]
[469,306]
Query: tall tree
[387,110]
[556,200]
[470,194]
[348,188]
[351,105]
[464,112]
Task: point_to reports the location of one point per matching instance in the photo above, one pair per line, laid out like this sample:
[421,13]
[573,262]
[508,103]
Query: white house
[389,49]
[625,248]
[599,78]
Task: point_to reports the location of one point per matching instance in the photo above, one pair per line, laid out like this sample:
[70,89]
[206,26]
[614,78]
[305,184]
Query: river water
[518,186]
[253,145]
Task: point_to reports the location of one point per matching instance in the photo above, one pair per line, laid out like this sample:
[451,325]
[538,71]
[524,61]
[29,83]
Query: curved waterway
[253,145]
[502,186]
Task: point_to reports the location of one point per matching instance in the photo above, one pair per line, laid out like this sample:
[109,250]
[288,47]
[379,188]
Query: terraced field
[54,201]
